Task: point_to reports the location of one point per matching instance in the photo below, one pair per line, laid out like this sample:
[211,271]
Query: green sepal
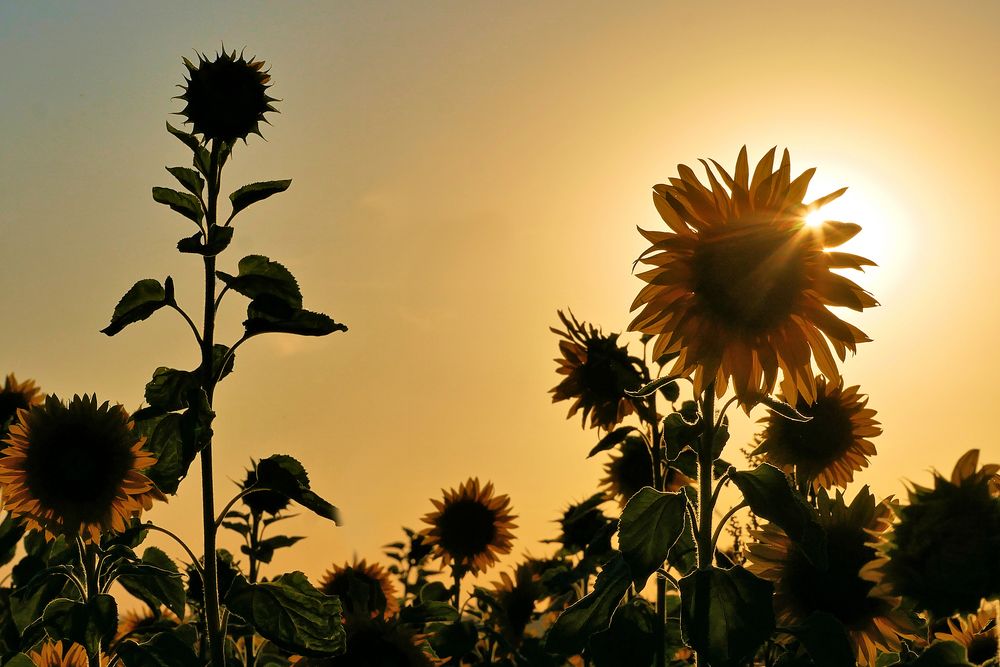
[141,300]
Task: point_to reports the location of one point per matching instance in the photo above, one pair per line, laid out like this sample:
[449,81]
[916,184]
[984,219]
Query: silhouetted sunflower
[377,643]
[829,448]
[741,286]
[362,582]
[16,396]
[632,469]
[515,599]
[584,524]
[943,553]
[141,625]
[470,526]
[976,632]
[867,611]
[598,371]
[76,469]
[262,502]
[226,97]
[52,655]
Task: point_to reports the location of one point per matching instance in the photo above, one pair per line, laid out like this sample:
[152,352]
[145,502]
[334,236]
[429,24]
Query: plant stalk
[703,535]
[659,483]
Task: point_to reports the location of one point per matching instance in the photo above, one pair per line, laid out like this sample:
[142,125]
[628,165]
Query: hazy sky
[460,171]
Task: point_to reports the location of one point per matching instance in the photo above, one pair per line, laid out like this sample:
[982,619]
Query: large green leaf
[284,474]
[255,192]
[140,301]
[770,496]
[165,649]
[91,624]
[189,178]
[259,276]
[679,433]
[155,580]
[943,654]
[268,314]
[201,154]
[171,389]
[185,204]
[175,438]
[291,613]
[611,439]
[593,612]
[650,524]
[726,614]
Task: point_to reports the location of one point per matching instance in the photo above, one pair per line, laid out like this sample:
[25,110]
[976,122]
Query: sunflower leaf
[170,389]
[650,524]
[219,239]
[255,192]
[611,440]
[268,314]
[219,353]
[291,613]
[259,276]
[181,202]
[189,178]
[630,640]
[726,614]
[266,548]
[784,409]
[19,660]
[164,649]
[91,624]
[141,300]
[11,532]
[593,612]
[201,154]
[651,387]
[944,654]
[428,611]
[285,475]
[770,496]
[155,580]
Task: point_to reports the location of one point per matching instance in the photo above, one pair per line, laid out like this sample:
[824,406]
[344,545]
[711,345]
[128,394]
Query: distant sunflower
[226,97]
[470,526]
[16,396]
[515,599]
[976,632]
[829,448]
[584,524]
[76,469]
[52,655]
[867,612]
[632,469]
[943,553]
[262,502]
[741,286]
[353,580]
[598,371]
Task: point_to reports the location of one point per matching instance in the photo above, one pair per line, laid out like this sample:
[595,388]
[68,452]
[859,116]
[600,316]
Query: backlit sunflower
[76,469]
[16,396]
[470,526]
[632,469]
[515,599]
[361,582]
[829,448]
[943,553]
[741,287]
[867,612]
[141,625]
[226,97]
[598,371]
[262,502]
[976,632]
[585,527]
[52,655]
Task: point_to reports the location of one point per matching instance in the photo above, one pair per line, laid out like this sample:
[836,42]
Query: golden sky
[460,171]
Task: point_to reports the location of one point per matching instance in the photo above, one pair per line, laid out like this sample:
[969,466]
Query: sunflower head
[365,590]
[631,469]
[585,528]
[226,98]
[16,396]
[741,287]
[829,448]
[142,625]
[597,372]
[262,502]
[942,554]
[976,632]
[514,599]
[54,655]
[470,526]
[868,613]
[76,468]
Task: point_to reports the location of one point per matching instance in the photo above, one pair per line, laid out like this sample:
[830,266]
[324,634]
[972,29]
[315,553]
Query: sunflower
[514,599]
[362,582]
[598,371]
[632,469]
[942,554]
[829,448]
[52,655]
[741,286]
[226,97]
[76,469]
[976,632]
[262,502]
[583,526]
[16,396]
[143,624]
[470,526]
[868,613]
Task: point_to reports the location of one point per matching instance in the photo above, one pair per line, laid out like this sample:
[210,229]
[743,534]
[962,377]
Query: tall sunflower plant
[78,474]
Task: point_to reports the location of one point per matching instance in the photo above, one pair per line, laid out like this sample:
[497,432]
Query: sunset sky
[462,170]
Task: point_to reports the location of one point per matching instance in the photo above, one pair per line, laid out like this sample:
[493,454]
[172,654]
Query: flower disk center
[467,528]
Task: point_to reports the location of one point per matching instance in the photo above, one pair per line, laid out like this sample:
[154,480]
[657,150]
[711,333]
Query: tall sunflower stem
[656,451]
[90,562]
[703,535]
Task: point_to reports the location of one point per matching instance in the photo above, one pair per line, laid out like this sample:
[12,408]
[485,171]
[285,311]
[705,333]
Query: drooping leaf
[291,613]
[825,639]
[784,409]
[189,178]
[219,239]
[165,649]
[155,580]
[651,387]
[611,440]
[593,612]
[266,548]
[181,202]
[770,496]
[201,154]
[650,524]
[726,614]
[259,277]
[140,301]
[679,433]
[219,353]
[284,474]
[255,192]
[171,389]
[267,314]
[91,624]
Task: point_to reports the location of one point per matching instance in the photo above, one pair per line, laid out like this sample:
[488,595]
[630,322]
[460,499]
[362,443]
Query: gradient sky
[460,171]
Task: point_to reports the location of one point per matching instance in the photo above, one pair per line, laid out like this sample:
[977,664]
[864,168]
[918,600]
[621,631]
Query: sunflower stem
[656,454]
[722,522]
[703,536]
[456,572]
[93,590]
